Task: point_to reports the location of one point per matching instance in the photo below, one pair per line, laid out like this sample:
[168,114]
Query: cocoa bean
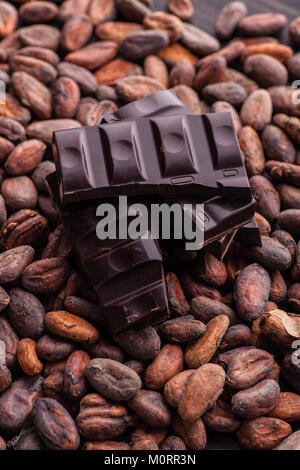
[16,403]
[182,8]
[13,109]
[101,10]
[271,254]
[27,357]
[290,443]
[113,379]
[38,12]
[266,70]
[252,150]
[9,19]
[173,443]
[176,53]
[262,24]
[94,55]
[39,69]
[257,110]
[43,129]
[280,327]
[40,35]
[181,330]
[155,68]
[262,433]
[251,292]
[226,91]
[5,377]
[137,87]
[283,102]
[33,94]
[76,32]
[174,388]
[14,261]
[202,390]
[162,21]
[223,107]
[229,18]
[294,31]
[248,367]
[236,335]
[142,344]
[151,407]
[116,30]
[221,418]
[168,363]
[201,351]
[189,97]
[198,41]
[54,425]
[139,44]
[287,407]
[71,327]
[268,201]
[75,383]
[193,434]
[290,220]
[257,400]
[113,71]
[132,10]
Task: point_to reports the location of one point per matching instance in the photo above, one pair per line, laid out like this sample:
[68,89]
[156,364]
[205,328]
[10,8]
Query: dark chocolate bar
[127,275]
[184,154]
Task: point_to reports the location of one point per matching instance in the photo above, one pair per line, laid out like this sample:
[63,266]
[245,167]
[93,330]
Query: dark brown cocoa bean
[143,344]
[236,335]
[193,434]
[4,299]
[251,292]
[277,145]
[290,220]
[226,91]
[221,418]
[248,367]
[181,330]
[139,44]
[257,400]
[75,383]
[113,379]
[278,289]
[53,349]
[204,309]
[25,227]
[177,300]
[182,8]
[280,327]
[266,70]
[268,201]
[26,313]
[262,433]
[83,77]
[198,41]
[5,377]
[45,276]
[58,244]
[9,343]
[14,261]
[133,10]
[209,269]
[182,73]
[271,254]
[27,439]
[100,420]
[55,425]
[173,443]
[229,18]
[151,407]
[294,31]
[290,124]
[16,403]
[262,24]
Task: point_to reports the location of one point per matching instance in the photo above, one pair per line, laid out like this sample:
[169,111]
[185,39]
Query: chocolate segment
[184,154]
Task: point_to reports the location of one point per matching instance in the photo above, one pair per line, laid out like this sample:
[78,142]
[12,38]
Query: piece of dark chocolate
[249,234]
[127,275]
[184,154]
[219,247]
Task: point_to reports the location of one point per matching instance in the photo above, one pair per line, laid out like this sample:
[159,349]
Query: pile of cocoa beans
[225,366]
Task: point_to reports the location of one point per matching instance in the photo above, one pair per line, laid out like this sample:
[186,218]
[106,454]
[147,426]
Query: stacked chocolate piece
[151,149]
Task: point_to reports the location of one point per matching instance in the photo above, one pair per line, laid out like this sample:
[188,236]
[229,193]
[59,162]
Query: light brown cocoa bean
[74,381]
[168,363]
[202,390]
[137,87]
[27,357]
[252,149]
[93,55]
[161,21]
[174,388]
[182,8]
[201,351]
[257,110]
[155,68]
[71,327]
[116,30]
